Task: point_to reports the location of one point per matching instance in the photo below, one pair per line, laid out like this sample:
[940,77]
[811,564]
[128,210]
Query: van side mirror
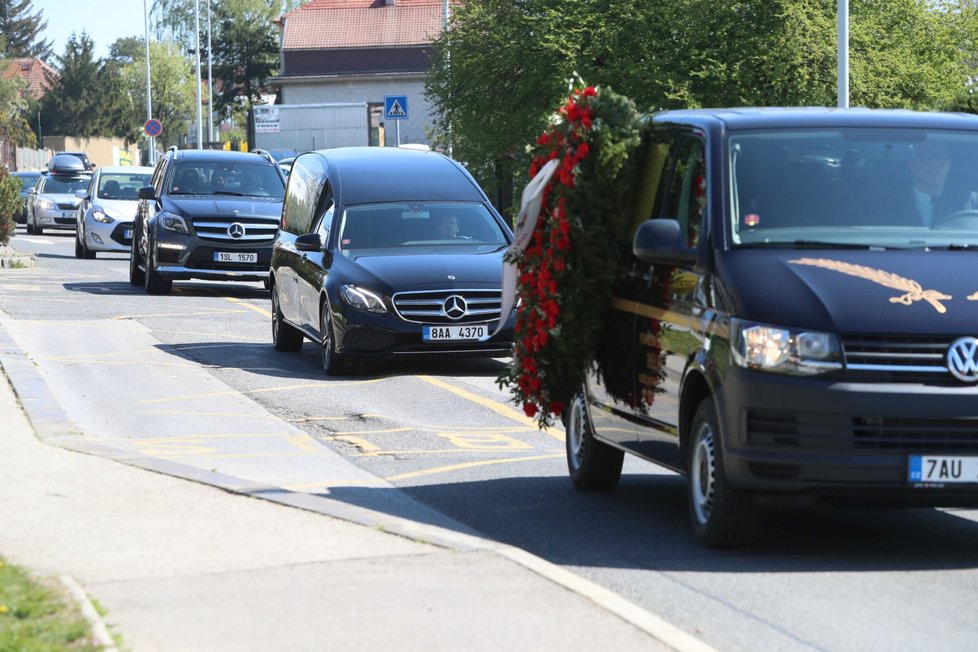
[309,242]
[662,241]
[147,192]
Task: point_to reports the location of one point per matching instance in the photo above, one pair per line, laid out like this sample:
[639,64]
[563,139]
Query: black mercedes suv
[209,214]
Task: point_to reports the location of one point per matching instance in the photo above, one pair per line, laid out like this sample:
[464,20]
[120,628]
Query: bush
[9,205]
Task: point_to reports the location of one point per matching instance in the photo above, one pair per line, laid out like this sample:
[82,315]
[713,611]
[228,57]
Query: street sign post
[153,127]
[396,108]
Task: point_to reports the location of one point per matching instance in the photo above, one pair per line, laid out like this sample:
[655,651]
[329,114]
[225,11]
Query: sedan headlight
[45,204]
[362,299]
[172,222]
[784,350]
[99,215]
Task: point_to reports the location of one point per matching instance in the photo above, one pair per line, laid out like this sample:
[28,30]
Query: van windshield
[856,187]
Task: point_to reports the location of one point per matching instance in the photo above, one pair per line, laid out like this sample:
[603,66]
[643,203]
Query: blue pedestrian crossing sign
[395,107]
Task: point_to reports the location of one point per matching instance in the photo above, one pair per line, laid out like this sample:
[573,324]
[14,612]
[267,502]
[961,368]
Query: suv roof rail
[264,154]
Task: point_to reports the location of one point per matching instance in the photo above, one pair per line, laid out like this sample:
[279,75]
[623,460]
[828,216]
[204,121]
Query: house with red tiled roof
[343,51]
[34,72]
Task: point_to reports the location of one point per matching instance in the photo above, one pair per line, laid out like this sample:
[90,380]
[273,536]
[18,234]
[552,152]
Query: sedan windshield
[899,188]
[62,185]
[420,228]
[119,185]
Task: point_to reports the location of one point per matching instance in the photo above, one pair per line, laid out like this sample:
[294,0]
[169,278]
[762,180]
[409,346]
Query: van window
[685,198]
[306,182]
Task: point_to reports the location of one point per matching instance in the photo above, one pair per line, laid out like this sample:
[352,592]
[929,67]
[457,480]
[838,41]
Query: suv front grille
[216,229]
[897,359]
[429,307]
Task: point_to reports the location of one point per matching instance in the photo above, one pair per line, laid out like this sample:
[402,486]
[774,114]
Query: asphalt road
[444,435]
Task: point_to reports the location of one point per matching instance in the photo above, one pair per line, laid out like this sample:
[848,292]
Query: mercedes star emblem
[454,307]
[236,230]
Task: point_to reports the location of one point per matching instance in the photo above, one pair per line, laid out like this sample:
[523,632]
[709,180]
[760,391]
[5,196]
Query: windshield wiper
[813,244]
[229,192]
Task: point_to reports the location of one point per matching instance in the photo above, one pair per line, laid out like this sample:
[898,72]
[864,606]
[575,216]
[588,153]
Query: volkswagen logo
[962,359]
[236,230]
[454,307]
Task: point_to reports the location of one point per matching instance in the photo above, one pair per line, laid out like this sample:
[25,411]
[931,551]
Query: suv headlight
[99,215]
[45,204]
[362,299]
[172,222]
[784,350]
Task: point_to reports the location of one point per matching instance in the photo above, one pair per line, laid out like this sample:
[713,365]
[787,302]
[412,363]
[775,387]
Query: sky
[105,21]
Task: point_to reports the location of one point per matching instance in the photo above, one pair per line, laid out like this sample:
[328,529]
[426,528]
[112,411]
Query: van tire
[591,464]
[721,517]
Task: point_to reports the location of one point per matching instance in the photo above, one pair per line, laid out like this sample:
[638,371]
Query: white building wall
[413,130]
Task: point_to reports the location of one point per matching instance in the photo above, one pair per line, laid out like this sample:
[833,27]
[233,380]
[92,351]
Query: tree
[673,54]
[73,105]
[14,127]
[20,27]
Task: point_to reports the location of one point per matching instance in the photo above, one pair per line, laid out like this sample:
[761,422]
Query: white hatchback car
[107,208]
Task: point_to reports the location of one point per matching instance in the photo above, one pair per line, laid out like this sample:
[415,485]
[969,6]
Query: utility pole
[200,116]
[210,80]
[843,53]
[151,159]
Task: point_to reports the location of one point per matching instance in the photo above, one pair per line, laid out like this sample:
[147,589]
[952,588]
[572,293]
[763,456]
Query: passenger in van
[448,227]
[932,196]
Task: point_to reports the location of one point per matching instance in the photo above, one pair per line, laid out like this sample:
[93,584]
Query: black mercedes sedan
[388,253]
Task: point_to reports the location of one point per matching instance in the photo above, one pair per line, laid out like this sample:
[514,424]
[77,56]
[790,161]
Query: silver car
[52,203]
[108,205]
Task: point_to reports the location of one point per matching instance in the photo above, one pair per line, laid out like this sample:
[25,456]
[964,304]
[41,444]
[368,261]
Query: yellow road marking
[360,443]
[304,442]
[483,441]
[469,465]
[201,311]
[199,334]
[287,388]
[369,432]
[197,413]
[242,302]
[200,438]
[434,451]
[495,406]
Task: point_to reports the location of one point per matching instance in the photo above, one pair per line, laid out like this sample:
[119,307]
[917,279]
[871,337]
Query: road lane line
[495,406]
[242,302]
[287,388]
[469,465]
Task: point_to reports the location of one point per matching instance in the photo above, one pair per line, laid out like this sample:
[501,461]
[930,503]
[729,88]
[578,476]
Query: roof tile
[333,24]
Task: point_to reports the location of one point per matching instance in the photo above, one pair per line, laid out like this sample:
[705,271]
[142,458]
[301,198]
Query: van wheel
[722,517]
[592,465]
[284,336]
[136,275]
[334,364]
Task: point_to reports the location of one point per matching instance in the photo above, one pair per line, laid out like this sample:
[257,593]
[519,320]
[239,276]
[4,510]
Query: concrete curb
[10,257]
[54,427]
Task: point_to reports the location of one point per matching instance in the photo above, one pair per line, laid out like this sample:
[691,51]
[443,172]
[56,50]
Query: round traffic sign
[153,127]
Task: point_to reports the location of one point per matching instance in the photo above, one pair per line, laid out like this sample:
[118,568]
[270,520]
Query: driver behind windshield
[931,198]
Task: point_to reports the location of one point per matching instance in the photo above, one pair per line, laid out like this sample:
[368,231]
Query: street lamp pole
[149,94]
[210,80]
[843,53]
[200,116]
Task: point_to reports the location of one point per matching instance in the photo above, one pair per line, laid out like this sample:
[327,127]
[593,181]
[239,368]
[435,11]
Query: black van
[802,316]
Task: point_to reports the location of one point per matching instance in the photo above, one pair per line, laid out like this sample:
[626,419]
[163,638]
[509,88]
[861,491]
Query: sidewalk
[181,565]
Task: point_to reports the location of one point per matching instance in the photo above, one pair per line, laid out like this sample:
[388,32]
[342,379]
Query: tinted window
[420,228]
[685,197]
[306,183]
[28,181]
[226,178]
[885,187]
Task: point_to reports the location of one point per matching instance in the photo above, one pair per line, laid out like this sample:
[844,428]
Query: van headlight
[784,350]
[362,299]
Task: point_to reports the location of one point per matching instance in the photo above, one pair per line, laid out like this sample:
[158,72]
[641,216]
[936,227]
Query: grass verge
[37,615]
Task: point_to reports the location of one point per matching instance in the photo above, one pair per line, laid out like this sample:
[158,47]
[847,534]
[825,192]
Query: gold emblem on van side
[973,297]
[913,291]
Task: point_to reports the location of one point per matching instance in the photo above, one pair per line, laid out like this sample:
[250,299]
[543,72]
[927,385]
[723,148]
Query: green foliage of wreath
[578,251]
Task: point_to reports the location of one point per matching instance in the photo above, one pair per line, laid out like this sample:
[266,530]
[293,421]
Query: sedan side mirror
[309,242]
[147,192]
[662,241]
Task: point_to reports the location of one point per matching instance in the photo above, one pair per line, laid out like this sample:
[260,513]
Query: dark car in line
[209,214]
[27,182]
[388,253]
[798,325]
